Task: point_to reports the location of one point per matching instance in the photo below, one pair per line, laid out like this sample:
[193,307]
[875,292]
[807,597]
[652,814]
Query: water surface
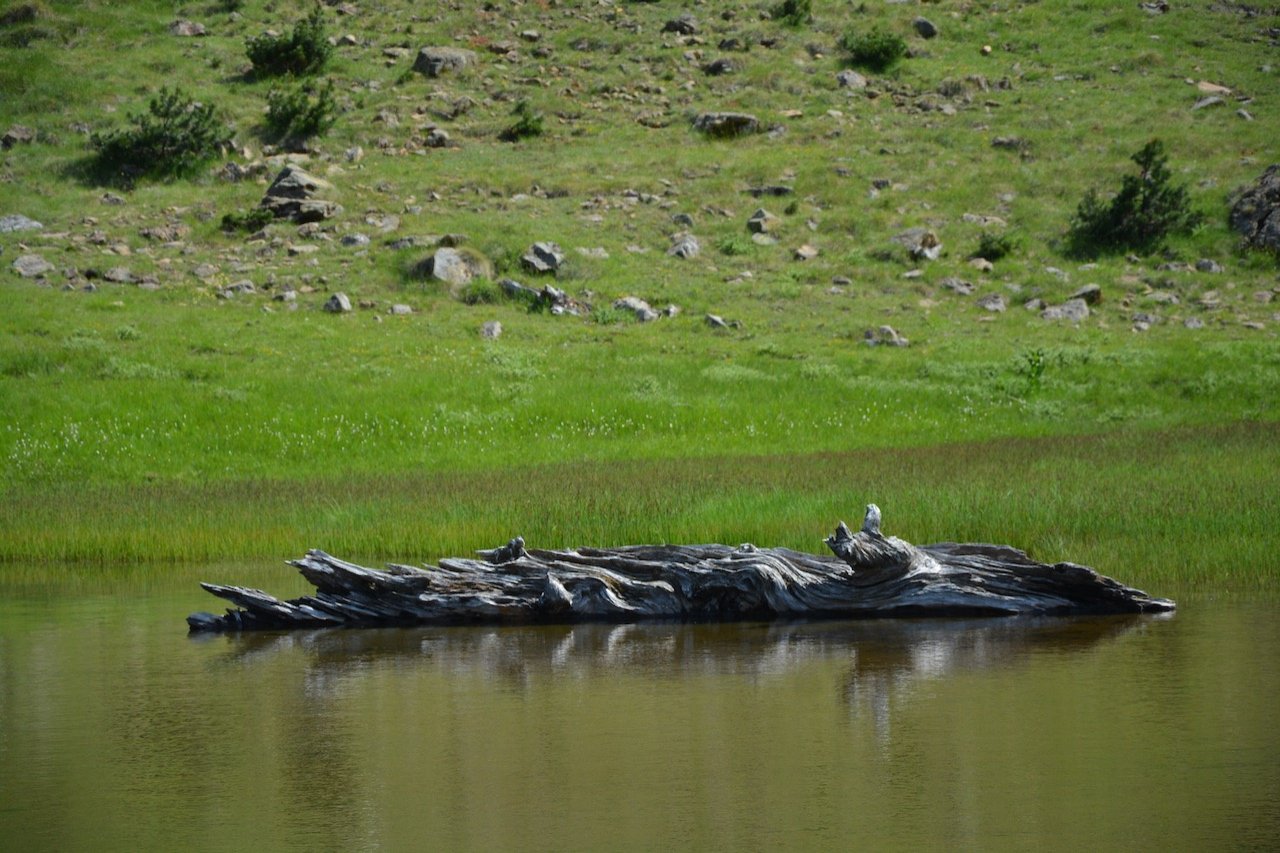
[120,732]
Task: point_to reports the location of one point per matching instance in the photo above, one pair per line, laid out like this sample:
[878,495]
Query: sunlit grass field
[173,425]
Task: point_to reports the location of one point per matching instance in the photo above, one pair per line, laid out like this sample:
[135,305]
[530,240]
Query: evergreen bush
[172,139]
[1146,210]
[297,115]
[304,51]
[877,49]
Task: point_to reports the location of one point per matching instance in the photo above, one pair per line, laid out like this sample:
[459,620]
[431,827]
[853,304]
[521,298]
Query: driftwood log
[871,575]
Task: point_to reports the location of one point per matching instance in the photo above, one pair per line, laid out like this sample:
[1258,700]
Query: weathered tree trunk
[871,575]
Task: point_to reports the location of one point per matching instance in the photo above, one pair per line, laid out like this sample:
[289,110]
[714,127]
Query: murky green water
[119,732]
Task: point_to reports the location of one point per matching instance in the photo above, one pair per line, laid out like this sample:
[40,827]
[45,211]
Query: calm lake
[120,732]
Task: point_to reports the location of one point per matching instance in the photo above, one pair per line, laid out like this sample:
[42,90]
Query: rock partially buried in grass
[434,61]
[1074,310]
[868,575]
[1255,211]
[338,303]
[296,194]
[884,336]
[726,125]
[543,257]
[17,222]
[31,266]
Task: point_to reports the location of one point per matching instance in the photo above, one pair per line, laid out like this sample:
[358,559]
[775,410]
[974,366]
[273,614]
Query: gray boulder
[726,125]
[18,134]
[884,336]
[434,61]
[684,246]
[926,28]
[1074,310]
[544,257]
[685,25]
[455,266]
[31,266]
[338,304]
[641,309]
[851,79]
[1255,211]
[298,195]
[17,222]
[762,222]
[920,243]
[491,331]
[993,302]
[1090,293]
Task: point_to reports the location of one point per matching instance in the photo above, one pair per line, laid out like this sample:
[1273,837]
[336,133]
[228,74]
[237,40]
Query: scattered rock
[682,219]
[1244,114]
[1074,310]
[1255,211]
[543,258]
[295,251]
[289,295]
[455,266]
[119,275]
[400,310]
[491,331]
[170,233]
[1009,143]
[295,194]
[776,190]
[984,220]
[1208,265]
[993,302]
[187,29]
[638,307]
[715,321]
[851,79]
[685,25]
[762,222]
[1090,293]
[598,253]
[806,252]
[18,134]
[434,61]
[884,336]
[726,125]
[338,304]
[17,222]
[437,138]
[717,67]
[1035,304]
[958,285]
[981,264]
[1193,323]
[925,28]
[1143,321]
[1209,101]
[684,246]
[31,266]
[355,241]
[920,242]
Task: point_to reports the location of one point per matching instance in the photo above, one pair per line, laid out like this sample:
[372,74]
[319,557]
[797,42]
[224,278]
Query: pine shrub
[877,49]
[172,139]
[1147,209]
[304,51]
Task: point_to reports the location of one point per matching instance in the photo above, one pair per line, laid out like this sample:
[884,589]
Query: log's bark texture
[871,575]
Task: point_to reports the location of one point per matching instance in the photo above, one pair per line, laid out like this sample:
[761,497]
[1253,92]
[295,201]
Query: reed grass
[1189,509]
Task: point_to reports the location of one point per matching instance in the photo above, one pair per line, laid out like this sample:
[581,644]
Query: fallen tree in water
[871,575]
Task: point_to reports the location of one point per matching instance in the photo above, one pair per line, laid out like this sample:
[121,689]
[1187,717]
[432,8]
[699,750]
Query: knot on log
[869,549]
[508,553]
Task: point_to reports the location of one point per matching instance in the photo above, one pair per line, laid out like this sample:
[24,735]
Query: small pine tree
[172,139]
[295,116]
[304,51]
[1148,208]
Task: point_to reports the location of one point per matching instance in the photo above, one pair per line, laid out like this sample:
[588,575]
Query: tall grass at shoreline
[1193,508]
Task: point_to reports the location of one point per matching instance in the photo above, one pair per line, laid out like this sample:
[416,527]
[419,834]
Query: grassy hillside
[155,393]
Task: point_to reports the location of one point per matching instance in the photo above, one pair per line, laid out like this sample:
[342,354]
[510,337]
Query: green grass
[175,425]
[1180,510]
